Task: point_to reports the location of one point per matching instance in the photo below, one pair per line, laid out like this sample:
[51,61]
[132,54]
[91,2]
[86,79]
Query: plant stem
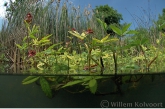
[89,59]
[115,61]
[68,66]
[102,65]
[145,58]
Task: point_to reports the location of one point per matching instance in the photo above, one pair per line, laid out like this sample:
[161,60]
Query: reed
[54,17]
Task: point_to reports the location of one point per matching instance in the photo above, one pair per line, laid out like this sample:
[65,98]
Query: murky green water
[14,94]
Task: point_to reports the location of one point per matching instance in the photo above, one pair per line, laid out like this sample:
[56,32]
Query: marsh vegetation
[54,41]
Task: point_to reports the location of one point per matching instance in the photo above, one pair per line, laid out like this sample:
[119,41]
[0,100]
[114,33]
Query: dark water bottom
[15,95]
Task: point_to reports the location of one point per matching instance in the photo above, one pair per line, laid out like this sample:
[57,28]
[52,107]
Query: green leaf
[34,30]
[26,24]
[19,46]
[125,28]
[60,49]
[93,85]
[126,32]
[46,37]
[86,47]
[163,34]
[69,57]
[25,38]
[76,34]
[52,46]
[46,87]
[40,66]
[30,79]
[87,78]
[94,40]
[112,40]
[48,51]
[29,30]
[132,32]
[103,24]
[44,41]
[105,38]
[71,83]
[116,30]
[32,36]
[24,46]
[35,41]
[132,66]
[144,40]
[83,35]
[161,26]
[32,70]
